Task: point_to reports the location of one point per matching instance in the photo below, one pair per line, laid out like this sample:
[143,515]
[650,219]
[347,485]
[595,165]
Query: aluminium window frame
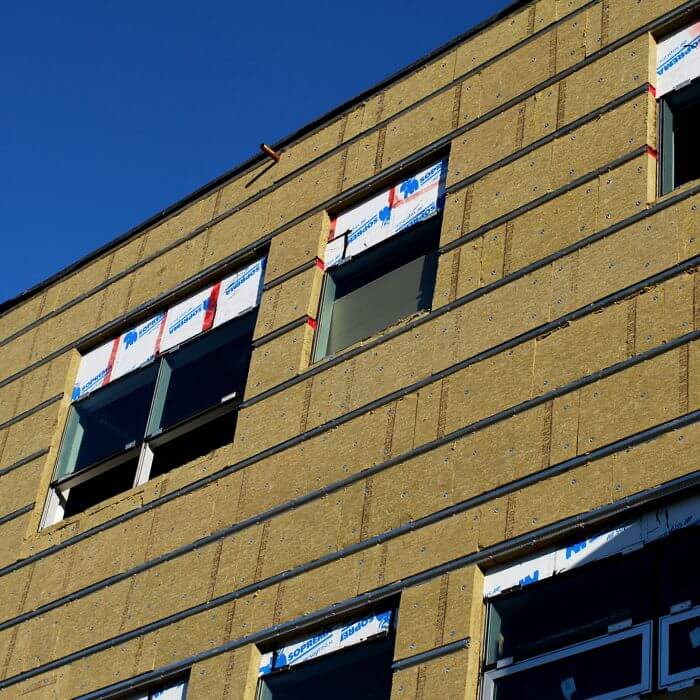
[144,449]
[644,630]
[327,298]
[666,136]
[667,679]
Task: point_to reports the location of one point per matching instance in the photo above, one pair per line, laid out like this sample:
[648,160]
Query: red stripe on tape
[320,264]
[312,322]
[420,193]
[652,90]
[652,152]
[112,358]
[392,197]
[211,307]
[161,330]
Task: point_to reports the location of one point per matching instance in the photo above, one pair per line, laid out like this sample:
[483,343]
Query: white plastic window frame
[644,630]
[667,679]
[54,507]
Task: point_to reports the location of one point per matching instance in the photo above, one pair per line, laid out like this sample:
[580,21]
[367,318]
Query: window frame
[143,449]
[666,135]
[269,651]
[667,679]
[643,629]
[328,299]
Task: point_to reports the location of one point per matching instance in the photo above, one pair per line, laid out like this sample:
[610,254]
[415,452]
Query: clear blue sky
[111,111]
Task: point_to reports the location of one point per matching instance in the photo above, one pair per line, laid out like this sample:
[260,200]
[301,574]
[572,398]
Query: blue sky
[112,111]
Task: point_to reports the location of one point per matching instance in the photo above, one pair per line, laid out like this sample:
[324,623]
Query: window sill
[371,340]
[679,190]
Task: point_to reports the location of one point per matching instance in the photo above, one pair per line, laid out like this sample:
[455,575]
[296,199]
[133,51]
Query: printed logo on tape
[326,642]
[94,371]
[186,319]
[240,292]
[678,59]
[137,346]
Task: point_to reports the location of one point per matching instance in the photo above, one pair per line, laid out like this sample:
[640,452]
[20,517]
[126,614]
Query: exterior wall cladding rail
[547,390]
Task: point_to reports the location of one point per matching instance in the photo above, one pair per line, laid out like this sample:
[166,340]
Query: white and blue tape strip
[678,59]
[326,642]
[630,536]
[210,307]
[411,201]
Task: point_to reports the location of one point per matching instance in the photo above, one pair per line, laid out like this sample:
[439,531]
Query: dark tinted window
[680,582]
[101,487]
[379,287]
[205,370]
[104,424]
[362,672]
[570,607]
[194,443]
[680,116]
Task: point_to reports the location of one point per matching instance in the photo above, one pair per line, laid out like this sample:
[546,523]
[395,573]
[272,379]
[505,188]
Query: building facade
[408,413]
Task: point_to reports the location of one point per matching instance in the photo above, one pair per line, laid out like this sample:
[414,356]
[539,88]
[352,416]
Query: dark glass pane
[684,646]
[359,673]
[103,424]
[193,444]
[101,487]
[680,582]
[208,369]
[571,607]
[383,285]
[687,143]
[585,675]
[681,148]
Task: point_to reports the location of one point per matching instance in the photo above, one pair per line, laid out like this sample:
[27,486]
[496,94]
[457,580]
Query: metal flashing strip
[25,460]
[16,513]
[436,653]
[292,325]
[398,167]
[512,548]
[443,514]
[308,130]
[514,342]
[304,267]
[30,411]
[642,89]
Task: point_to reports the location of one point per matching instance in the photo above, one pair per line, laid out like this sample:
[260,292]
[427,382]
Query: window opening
[381,261]
[348,662]
[140,410]
[678,91]
[587,620]
[388,283]
[680,138]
